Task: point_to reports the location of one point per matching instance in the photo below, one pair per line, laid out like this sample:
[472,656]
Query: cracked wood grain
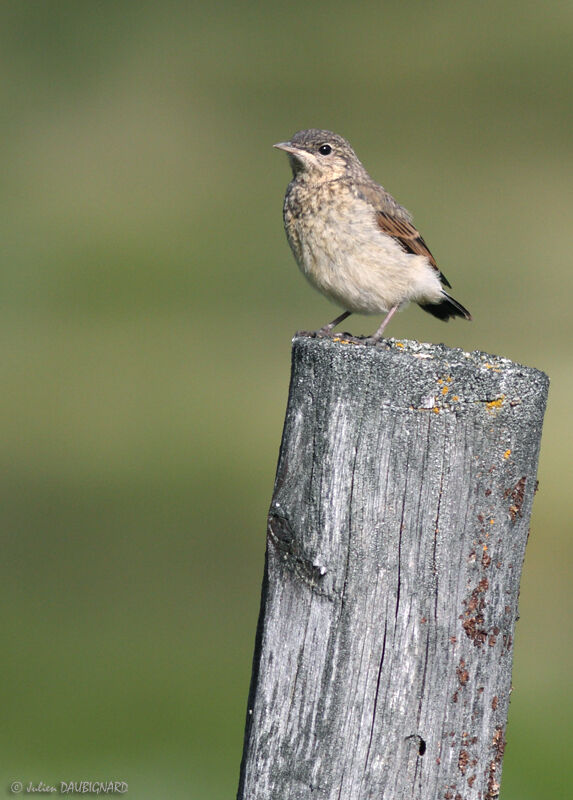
[396,537]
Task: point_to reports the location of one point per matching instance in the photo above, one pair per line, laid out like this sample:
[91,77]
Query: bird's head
[320,156]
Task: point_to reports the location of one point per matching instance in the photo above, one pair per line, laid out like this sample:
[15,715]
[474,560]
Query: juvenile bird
[352,240]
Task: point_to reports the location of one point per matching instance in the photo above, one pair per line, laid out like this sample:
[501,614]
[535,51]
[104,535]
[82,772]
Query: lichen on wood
[396,537]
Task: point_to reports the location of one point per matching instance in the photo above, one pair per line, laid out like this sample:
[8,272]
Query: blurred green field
[148,298]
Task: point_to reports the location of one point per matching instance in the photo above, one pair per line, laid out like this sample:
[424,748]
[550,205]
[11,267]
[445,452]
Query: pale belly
[357,266]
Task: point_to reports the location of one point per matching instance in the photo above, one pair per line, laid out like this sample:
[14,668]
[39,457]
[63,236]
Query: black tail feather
[447,308]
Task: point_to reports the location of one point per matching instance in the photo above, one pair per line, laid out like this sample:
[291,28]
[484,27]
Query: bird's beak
[287,147]
[299,159]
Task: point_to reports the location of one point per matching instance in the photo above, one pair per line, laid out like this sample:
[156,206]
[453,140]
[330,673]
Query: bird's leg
[385,321]
[325,330]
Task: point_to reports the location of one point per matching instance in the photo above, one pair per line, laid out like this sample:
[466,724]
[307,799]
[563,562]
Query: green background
[148,298]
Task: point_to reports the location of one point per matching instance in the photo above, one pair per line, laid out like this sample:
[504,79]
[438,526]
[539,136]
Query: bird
[352,240]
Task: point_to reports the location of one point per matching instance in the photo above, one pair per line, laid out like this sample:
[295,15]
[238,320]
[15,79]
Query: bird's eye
[325,149]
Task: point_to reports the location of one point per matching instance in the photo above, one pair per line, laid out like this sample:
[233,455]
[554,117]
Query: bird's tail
[446,308]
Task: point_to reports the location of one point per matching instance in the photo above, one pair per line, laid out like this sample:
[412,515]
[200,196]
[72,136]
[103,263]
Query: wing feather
[407,235]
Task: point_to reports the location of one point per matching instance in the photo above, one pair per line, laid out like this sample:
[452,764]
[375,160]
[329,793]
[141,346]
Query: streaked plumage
[350,237]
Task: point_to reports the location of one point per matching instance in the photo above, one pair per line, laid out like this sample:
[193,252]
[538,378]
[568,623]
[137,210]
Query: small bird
[352,240]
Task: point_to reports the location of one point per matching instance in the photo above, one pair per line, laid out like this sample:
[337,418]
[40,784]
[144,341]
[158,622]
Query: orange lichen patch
[507,454]
[436,410]
[455,398]
[399,344]
[445,390]
[495,405]
[492,522]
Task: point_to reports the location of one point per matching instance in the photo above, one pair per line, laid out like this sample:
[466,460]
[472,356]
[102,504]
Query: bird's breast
[340,248]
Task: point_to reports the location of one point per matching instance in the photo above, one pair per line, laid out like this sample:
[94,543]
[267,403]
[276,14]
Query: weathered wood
[395,544]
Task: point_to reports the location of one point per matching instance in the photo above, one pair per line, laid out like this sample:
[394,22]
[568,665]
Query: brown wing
[406,234]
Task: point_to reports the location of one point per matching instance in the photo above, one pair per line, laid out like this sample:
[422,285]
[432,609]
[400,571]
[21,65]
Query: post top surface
[435,369]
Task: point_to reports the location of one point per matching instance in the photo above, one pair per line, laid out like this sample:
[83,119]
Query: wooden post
[396,537]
